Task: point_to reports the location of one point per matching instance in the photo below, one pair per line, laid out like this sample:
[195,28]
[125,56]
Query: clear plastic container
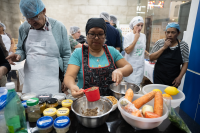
[139,122]
[45,124]
[175,102]
[27,96]
[33,110]
[50,112]
[67,103]
[3,96]
[62,124]
[60,97]
[14,111]
[52,103]
[63,112]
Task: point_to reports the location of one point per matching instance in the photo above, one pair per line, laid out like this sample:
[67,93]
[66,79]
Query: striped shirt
[183,47]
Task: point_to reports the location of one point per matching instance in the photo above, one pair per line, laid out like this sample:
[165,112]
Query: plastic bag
[178,121]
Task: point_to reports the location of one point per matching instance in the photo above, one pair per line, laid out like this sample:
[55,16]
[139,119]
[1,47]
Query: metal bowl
[104,108]
[120,90]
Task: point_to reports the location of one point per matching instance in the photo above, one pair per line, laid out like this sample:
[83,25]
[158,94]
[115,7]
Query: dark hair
[178,30]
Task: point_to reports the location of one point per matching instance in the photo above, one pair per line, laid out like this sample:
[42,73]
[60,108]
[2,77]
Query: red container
[92,96]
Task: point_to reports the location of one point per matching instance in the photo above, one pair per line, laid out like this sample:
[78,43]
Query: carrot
[137,113]
[144,99]
[149,114]
[129,95]
[158,104]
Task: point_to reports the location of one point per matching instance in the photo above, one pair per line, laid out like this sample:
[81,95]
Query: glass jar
[45,124]
[33,109]
[42,105]
[60,97]
[67,103]
[62,124]
[52,103]
[50,112]
[63,112]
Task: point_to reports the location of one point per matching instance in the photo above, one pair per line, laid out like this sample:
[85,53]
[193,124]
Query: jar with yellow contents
[42,105]
[52,103]
[67,103]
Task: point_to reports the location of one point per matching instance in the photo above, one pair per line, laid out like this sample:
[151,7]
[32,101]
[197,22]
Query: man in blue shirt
[112,34]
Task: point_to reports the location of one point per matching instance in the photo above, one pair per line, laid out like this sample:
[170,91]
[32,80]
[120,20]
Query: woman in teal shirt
[96,64]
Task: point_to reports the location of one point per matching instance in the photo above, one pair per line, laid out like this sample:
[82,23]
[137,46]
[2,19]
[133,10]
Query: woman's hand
[117,76]
[167,44]
[13,58]
[137,34]
[76,92]
[177,82]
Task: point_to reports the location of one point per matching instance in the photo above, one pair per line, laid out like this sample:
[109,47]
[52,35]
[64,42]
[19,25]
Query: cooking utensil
[82,104]
[120,90]
[93,95]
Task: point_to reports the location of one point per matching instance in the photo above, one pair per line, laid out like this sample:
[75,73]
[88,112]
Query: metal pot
[104,108]
[120,90]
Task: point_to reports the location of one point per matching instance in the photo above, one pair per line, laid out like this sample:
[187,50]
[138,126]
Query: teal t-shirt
[102,61]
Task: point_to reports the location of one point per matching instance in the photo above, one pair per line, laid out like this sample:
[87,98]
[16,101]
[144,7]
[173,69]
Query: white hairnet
[135,21]
[31,8]
[4,27]
[113,18]
[74,29]
[105,16]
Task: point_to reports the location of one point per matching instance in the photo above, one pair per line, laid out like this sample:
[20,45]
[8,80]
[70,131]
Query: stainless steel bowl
[120,90]
[104,108]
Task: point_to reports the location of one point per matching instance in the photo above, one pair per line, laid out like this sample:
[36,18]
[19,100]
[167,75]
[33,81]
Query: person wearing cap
[112,34]
[170,54]
[75,34]
[134,46]
[4,64]
[44,43]
[96,64]
[113,22]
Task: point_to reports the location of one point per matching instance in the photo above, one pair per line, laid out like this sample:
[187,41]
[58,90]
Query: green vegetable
[178,121]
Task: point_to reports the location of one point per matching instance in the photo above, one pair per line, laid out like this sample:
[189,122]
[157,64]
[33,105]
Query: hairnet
[105,16]
[113,18]
[4,27]
[73,29]
[95,22]
[135,21]
[173,25]
[31,8]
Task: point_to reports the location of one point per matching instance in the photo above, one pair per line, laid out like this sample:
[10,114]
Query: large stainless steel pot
[120,90]
[104,108]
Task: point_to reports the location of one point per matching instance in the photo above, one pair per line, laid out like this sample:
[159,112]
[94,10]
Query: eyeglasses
[36,18]
[92,36]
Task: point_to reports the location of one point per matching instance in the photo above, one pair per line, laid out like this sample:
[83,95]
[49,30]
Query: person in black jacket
[4,64]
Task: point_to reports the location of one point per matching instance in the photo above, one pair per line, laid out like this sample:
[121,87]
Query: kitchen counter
[116,124]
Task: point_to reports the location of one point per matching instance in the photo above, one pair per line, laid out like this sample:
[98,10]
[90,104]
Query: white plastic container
[45,124]
[175,102]
[143,123]
[3,96]
[27,96]
[62,124]
[60,97]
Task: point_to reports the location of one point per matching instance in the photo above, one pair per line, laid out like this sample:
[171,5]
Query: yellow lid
[67,103]
[62,112]
[49,112]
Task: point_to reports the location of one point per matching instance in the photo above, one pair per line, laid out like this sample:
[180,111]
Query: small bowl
[143,123]
[115,105]
[175,102]
[120,90]
[104,108]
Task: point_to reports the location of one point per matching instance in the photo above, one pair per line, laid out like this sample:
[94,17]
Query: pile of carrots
[158,104]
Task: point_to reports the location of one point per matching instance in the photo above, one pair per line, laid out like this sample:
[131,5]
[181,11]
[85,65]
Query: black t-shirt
[3,61]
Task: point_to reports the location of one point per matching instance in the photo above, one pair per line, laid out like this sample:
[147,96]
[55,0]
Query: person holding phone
[134,46]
